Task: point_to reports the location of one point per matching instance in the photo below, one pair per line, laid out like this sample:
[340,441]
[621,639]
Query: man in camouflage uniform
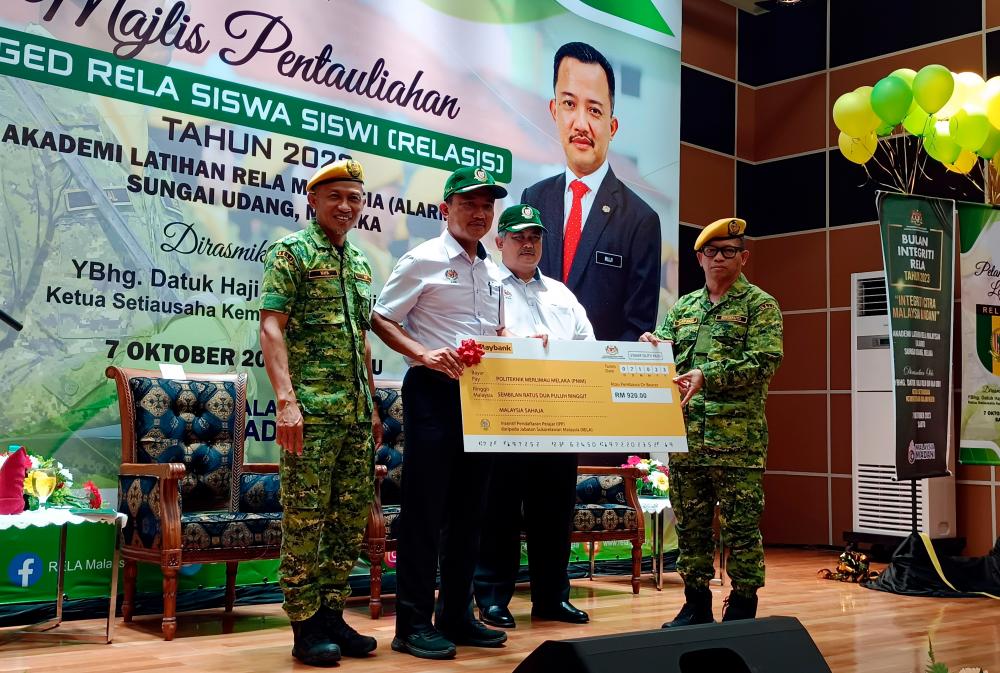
[316,305]
[727,345]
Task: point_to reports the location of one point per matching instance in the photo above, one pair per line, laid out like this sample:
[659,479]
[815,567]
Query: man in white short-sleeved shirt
[542,486]
[442,289]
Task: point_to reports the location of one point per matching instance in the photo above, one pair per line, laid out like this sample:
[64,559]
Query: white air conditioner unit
[882,505]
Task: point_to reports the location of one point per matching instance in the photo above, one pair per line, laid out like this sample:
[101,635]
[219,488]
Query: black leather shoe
[474,634]
[426,644]
[560,612]
[498,615]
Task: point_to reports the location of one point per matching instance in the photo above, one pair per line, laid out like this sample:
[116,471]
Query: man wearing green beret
[542,486]
[727,341]
[316,303]
[443,289]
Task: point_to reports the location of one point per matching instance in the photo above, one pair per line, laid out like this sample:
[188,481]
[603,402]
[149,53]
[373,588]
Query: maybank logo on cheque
[496,347]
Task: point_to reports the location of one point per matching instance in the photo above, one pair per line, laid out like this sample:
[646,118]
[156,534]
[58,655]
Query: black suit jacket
[616,269]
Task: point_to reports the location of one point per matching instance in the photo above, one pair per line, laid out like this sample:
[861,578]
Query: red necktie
[574,226]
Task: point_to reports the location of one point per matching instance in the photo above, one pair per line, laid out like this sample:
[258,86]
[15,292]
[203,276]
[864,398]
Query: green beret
[520,217]
[345,169]
[469,178]
[727,227]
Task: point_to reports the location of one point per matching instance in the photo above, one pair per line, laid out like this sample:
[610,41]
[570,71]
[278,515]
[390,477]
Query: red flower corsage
[470,352]
[93,495]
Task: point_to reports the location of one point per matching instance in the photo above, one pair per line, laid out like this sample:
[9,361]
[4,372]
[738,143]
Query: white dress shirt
[543,305]
[437,293]
[593,181]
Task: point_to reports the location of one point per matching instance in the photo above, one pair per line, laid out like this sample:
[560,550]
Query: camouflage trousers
[325,494]
[694,490]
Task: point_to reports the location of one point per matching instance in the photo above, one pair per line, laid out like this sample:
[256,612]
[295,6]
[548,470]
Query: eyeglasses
[728,252]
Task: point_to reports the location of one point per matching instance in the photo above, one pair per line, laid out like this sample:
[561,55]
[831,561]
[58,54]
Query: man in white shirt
[534,305]
[444,288]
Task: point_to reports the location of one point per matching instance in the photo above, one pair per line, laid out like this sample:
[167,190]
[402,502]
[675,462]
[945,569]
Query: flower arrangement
[62,494]
[654,480]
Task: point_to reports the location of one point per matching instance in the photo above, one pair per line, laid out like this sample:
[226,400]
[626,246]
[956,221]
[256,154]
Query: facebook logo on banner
[24,570]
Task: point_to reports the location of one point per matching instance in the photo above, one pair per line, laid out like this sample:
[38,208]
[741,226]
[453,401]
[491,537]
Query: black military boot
[739,607]
[697,608]
[312,646]
[352,643]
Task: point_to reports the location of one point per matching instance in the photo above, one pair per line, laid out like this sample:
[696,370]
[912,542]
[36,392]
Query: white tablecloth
[57,516]
[654,505]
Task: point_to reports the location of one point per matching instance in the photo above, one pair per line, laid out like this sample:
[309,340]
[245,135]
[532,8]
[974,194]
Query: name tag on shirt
[731,318]
[608,259]
[324,273]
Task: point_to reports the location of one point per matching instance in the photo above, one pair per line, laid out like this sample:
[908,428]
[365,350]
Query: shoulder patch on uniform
[731,318]
[685,321]
[766,305]
[285,255]
[363,277]
[323,273]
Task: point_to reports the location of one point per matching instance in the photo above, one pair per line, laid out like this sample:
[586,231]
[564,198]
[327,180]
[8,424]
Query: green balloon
[970,127]
[932,87]
[884,130]
[940,145]
[891,98]
[991,146]
[905,74]
[918,121]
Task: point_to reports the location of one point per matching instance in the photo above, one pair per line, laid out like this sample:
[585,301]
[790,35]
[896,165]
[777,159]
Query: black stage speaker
[768,645]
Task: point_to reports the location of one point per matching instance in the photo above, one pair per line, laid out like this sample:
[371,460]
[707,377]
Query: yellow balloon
[857,150]
[853,114]
[964,163]
[933,86]
[968,88]
[991,98]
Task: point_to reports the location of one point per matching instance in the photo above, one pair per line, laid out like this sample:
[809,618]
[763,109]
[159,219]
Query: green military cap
[727,227]
[468,178]
[520,217]
[345,169]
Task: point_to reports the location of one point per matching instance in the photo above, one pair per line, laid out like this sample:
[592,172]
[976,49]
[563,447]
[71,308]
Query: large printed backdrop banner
[979,227]
[152,150]
[918,249]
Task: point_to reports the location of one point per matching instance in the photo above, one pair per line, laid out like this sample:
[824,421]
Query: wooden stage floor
[856,629]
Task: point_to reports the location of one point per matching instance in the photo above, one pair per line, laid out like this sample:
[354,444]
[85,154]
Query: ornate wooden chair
[182,481]
[380,536]
[607,508]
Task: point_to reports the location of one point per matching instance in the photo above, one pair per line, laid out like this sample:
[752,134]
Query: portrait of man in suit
[603,241]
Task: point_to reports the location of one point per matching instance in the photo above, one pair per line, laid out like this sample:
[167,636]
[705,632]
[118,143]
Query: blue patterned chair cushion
[391,514]
[260,492]
[605,517]
[390,454]
[139,498]
[230,530]
[188,422]
[600,489]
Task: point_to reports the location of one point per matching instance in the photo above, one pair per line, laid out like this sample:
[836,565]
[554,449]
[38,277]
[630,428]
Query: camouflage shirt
[737,344]
[327,295]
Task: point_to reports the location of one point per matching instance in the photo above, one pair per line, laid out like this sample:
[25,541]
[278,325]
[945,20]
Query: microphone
[9,319]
